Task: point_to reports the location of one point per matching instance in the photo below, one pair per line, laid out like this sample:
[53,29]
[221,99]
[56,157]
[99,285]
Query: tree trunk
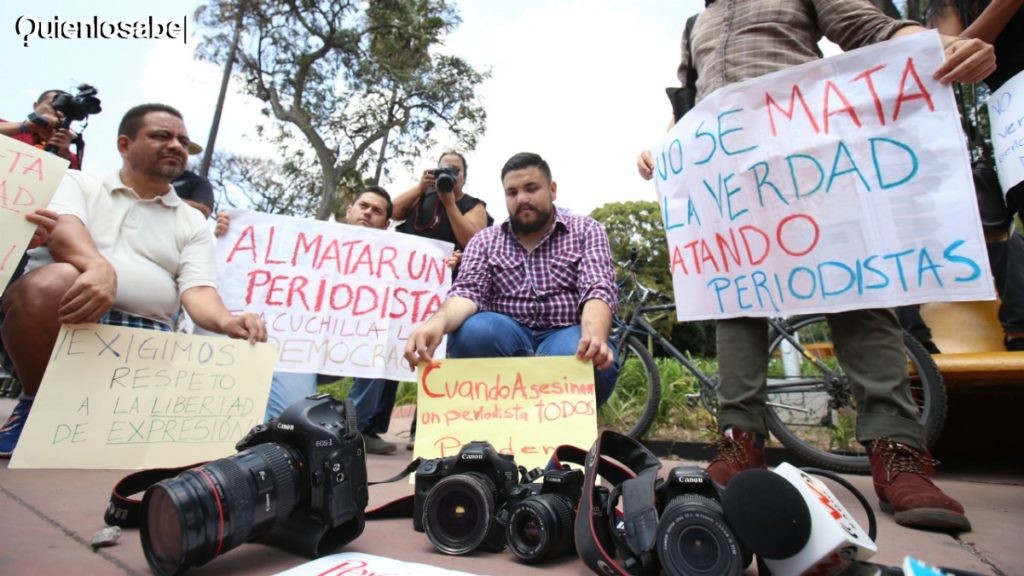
[204,168]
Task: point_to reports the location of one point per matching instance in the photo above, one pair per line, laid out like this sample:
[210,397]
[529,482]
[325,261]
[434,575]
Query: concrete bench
[971,340]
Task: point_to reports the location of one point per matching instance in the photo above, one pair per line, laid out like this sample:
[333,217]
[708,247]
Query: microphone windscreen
[767,514]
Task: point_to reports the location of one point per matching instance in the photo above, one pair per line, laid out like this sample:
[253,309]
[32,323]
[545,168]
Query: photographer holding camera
[43,128]
[437,207]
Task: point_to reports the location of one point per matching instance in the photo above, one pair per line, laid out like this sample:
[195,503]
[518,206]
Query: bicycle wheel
[634,403]
[811,407]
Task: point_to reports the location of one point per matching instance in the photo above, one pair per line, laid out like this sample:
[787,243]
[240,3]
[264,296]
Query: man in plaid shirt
[542,283]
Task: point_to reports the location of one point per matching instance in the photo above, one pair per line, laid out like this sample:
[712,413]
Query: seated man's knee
[40,290]
[487,334]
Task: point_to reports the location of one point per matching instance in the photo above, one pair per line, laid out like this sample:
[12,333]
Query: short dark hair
[379,191]
[465,167]
[526,160]
[131,123]
[55,93]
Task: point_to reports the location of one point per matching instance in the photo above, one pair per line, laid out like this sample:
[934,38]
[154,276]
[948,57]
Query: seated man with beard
[125,251]
[542,283]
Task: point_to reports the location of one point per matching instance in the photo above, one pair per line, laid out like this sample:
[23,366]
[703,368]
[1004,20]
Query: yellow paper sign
[526,407]
[28,178]
[116,397]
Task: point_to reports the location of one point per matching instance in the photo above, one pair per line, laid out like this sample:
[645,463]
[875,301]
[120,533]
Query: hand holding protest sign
[838,184]
[28,179]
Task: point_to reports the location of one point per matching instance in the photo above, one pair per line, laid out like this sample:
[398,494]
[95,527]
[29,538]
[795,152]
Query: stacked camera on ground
[480,499]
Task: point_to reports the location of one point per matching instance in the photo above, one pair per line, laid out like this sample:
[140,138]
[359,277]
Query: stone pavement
[47,518]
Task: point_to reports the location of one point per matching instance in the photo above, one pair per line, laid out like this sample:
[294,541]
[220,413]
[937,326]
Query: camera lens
[458,513]
[445,182]
[540,527]
[693,538]
[206,511]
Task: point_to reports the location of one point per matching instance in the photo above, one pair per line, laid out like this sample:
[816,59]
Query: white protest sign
[28,178]
[115,397]
[359,564]
[337,299]
[1006,119]
[834,185]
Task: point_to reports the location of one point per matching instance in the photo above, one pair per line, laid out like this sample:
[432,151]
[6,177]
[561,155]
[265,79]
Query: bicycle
[811,406]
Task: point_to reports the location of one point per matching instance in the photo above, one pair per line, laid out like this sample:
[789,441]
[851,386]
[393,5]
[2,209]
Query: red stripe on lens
[220,510]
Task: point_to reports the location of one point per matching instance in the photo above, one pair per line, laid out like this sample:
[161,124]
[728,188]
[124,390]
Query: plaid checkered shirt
[543,288]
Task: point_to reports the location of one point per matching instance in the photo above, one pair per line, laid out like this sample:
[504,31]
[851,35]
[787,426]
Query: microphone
[794,523]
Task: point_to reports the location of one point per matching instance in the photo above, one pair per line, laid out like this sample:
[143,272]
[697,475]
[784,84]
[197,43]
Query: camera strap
[122,510]
[400,508]
[600,531]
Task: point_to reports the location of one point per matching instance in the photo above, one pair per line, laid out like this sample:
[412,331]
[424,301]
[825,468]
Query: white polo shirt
[159,247]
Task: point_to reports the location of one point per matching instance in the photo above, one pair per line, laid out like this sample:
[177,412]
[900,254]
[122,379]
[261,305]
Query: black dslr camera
[693,537]
[77,107]
[458,499]
[541,517]
[444,179]
[298,482]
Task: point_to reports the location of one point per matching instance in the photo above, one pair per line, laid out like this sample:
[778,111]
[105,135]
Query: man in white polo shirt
[125,251]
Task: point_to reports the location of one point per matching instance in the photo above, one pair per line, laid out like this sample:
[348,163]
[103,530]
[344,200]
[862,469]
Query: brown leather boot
[737,451]
[902,482]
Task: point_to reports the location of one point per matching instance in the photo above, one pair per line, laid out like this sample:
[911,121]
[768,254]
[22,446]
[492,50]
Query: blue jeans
[286,389]
[374,399]
[490,335]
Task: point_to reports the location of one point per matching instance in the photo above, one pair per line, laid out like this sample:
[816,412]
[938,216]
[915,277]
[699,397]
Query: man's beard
[159,169]
[168,171]
[543,217]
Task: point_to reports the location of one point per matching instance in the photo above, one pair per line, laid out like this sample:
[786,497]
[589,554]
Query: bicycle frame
[639,325]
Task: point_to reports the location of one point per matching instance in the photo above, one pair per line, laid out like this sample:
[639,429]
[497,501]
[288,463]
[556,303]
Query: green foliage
[347,86]
[341,387]
[637,225]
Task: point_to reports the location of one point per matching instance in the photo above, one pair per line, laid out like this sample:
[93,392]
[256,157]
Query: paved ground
[47,518]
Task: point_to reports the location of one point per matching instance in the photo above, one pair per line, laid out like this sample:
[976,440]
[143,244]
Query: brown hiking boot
[737,451]
[902,482]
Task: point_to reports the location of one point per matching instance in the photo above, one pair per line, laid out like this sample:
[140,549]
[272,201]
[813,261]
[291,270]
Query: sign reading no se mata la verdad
[28,178]
[834,185]
[337,299]
[525,406]
[115,397]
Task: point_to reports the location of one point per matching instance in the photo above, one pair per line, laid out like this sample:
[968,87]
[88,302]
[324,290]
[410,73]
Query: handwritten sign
[830,186]
[1006,118]
[526,407]
[28,178]
[359,564]
[115,397]
[337,299]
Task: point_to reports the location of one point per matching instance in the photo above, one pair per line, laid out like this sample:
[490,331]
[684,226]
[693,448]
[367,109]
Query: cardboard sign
[834,185]
[525,407]
[1006,119]
[116,397]
[28,178]
[358,564]
[337,299]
